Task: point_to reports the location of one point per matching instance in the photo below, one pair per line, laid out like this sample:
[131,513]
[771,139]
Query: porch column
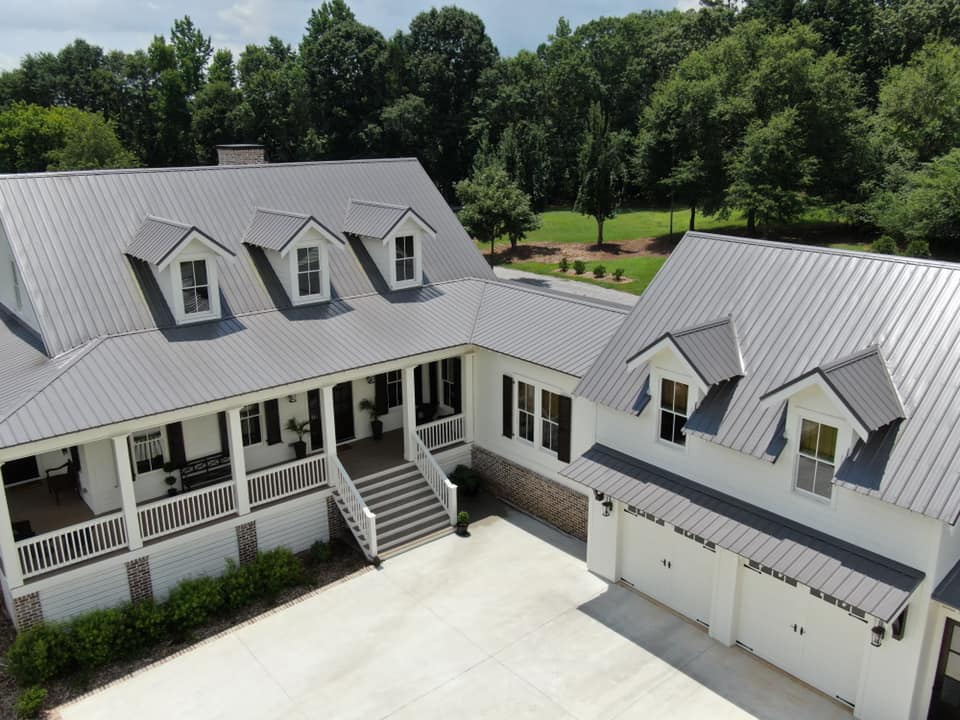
[128,497]
[409,415]
[466,399]
[8,546]
[329,423]
[238,463]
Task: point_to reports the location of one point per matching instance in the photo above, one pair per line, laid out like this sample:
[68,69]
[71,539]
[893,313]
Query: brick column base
[27,611]
[139,580]
[336,525]
[247,541]
[560,506]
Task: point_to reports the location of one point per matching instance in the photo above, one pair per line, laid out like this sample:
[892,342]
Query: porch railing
[59,548]
[287,479]
[442,432]
[185,510]
[445,490]
[362,515]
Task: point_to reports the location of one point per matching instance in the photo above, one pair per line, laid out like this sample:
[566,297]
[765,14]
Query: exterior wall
[106,587]
[206,556]
[98,477]
[383,253]
[297,527]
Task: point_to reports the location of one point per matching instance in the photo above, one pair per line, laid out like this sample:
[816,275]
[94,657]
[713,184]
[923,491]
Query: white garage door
[806,636]
[672,569]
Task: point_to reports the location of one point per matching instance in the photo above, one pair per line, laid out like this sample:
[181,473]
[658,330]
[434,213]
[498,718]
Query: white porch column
[238,463]
[329,422]
[409,414]
[466,387]
[603,539]
[8,546]
[128,497]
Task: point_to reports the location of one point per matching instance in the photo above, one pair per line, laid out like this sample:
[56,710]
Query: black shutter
[380,394]
[75,456]
[435,396]
[314,407]
[271,413]
[457,387]
[507,406]
[224,437]
[178,454]
[418,384]
[566,407]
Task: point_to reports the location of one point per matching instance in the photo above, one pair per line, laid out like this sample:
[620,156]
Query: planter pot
[299,449]
[376,427]
[462,529]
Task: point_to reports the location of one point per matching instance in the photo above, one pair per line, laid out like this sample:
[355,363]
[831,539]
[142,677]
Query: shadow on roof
[867,463]
[156,302]
[707,418]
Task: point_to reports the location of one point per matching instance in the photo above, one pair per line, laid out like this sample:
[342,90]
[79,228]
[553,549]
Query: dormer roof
[157,240]
[367,218]
[277,229]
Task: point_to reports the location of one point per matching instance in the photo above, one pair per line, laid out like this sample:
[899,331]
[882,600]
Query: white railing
[445,490]
[284,480]
[186,510]
[362,515]
[442,432]
[73,544]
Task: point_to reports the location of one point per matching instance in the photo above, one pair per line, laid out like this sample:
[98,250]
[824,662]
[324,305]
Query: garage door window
[673,411]
[816,464]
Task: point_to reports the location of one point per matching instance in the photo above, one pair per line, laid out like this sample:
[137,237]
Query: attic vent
[242,154]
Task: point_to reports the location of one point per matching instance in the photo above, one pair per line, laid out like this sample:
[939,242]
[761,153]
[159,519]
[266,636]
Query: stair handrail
[365,518]
[445,490]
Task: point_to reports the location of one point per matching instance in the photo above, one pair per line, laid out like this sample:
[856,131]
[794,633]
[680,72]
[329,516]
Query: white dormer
[297,247]
[393,236]
[184,261]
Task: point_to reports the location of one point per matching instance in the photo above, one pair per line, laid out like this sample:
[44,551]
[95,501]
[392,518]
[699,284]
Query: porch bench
[204,471]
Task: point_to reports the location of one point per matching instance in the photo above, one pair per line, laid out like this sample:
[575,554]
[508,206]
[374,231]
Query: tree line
[769,107]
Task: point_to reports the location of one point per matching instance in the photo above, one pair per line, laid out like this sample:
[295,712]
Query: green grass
[639,269]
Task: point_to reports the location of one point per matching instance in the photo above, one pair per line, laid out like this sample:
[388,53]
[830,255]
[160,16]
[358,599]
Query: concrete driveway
[505,624]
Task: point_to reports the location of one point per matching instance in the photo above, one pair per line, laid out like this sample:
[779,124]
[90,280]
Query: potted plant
[463,522]
[376,425]
[300,428]
[466,479]
[170,480]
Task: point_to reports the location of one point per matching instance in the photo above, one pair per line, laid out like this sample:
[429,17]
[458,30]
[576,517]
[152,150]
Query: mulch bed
[552,252]
[347,560]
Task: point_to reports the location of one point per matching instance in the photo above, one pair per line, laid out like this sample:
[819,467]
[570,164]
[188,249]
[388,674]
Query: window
[673,411]
[448,382]
[404,261]
[17,295]
[550,420]
[308,271]
[250,427]
[148,451]
[394,388]
[526,411]
[818,450]
[195,287]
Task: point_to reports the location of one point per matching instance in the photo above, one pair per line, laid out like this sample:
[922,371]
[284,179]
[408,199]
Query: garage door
[801,633]
[672,569]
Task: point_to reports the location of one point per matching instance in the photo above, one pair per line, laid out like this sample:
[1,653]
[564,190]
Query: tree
[602,170]
[493,206]
[215,108]
[192,50]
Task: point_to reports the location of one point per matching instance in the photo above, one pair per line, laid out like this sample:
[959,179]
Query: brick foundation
[335,522]
[139,580]
[27,610]
[561,507]
[247,541]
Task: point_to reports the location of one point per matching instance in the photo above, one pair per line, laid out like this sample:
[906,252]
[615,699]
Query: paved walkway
[505,624]
[571,287]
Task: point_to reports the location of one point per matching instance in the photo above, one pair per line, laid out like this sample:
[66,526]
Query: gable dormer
[184,261]
[297,247]
[393,235]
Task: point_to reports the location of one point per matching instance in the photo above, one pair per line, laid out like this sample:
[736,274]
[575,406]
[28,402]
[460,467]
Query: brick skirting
[247,541]
[27,610]
[548,500]
[139,580]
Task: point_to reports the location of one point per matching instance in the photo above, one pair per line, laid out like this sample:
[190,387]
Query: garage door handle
[801,631]
[794,626]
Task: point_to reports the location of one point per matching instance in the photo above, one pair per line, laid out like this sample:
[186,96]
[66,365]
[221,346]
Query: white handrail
[186,510]
[445,431]
[363,516]
[445,490]
[288,479]
[58,548]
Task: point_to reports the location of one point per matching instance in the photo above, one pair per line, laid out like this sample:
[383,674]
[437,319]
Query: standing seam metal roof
[374,219]
[711,348]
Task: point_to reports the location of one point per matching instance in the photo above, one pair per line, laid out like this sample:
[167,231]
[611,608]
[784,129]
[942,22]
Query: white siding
[195,557]
[296,527]
[103,589]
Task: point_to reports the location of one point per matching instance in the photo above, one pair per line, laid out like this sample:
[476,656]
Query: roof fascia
[816,378]
[667,343]
[188,237]
[412,214]
[311,224]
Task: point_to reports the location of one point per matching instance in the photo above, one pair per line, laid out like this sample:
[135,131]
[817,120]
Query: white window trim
[259,417]
[657,375]
[843,443]
[538,388]
[446,383]
[417,260]
[398,381]
[213,285]
[324,292]
[164,446]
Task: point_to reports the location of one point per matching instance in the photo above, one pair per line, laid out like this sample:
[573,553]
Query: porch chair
[67,481]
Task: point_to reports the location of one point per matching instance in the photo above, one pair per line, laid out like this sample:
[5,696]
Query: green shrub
[564,264]
[618,274]
[30,702]
[193,603]
[40,653]
[320,552]
[143,625]
[885,245]
[466,479]
[240,585]
[579,267]
[599,271]
[276,570]
[918,249]
[96,638]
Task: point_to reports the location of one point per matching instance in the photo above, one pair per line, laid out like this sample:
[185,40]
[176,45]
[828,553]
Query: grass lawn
[640,270]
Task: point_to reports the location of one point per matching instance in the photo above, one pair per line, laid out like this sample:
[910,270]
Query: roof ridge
[377,203]
[852,358]
[589,302]
[168,221]
[727,320]
[286,213]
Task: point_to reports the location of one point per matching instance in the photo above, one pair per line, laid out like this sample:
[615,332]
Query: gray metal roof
[711,348]
[157,238]
[69,233]
[799,307]
[376,219]
[274,229]
[864,580]
[948,591]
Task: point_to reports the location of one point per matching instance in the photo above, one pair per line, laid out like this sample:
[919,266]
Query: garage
[782,622]
[674,570]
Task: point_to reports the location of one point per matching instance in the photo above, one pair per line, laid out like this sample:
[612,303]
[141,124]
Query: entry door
[945,703]
[343,411]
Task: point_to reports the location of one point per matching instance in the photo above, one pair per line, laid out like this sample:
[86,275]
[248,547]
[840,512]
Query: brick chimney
[241,154]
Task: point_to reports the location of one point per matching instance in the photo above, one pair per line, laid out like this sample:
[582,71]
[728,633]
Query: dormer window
[673,411]
[309,274]
[405,263]
[195,287]
[816,463]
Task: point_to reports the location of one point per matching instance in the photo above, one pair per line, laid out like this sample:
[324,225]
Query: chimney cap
[240,146]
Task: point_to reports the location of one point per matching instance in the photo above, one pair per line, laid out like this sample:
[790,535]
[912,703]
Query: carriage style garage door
[672,569]
[801,633]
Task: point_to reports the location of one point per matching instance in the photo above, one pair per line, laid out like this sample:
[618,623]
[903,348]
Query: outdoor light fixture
[607,508]
[371,379]
[877,634]
[291,398]
[598,496]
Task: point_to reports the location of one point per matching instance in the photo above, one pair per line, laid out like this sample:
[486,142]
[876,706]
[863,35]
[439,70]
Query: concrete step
[424,511]
[400,507]
[410,526]
[402,487]
[411,494]
[379,483]
[397,469]
[412,534]
[415,542]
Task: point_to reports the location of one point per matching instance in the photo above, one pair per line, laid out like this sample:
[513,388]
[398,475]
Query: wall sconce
[876,635]
[371,379]
[291,398]
[607,508]
[598,496]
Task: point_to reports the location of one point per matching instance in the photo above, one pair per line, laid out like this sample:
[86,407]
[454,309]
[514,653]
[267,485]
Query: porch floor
[31,501]
[368,456]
